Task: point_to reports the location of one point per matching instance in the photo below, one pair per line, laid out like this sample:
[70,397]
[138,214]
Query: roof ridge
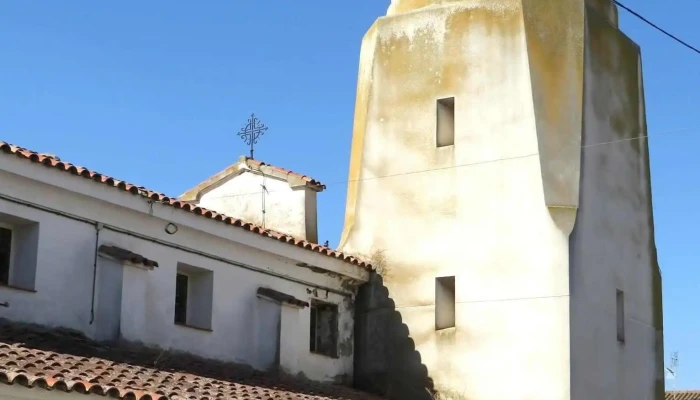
[306,178]
[63,166]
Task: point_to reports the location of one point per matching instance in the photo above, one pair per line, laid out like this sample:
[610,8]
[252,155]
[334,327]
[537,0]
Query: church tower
[499,176]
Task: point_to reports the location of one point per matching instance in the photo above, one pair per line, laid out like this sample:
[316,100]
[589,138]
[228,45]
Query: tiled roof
[64,360]
[683,395]
[52,161]
[252,163]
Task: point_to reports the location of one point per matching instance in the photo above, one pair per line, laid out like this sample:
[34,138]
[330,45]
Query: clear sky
[154,93]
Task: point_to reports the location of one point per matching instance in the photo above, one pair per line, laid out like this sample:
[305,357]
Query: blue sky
[154,93]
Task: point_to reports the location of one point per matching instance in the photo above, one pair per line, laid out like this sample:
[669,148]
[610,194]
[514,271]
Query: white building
[120,264]
[500,179]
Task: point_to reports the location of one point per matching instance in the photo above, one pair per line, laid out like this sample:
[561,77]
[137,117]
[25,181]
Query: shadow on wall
[386,360]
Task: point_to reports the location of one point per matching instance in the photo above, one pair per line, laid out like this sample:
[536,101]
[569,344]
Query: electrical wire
[584,147]
[660,29]
[571,298]
[617,2]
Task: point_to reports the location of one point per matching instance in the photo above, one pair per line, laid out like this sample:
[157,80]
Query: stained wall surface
[612,245]
[497,208]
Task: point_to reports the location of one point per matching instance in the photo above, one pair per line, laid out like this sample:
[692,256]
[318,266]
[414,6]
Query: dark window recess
[620,316]
[445,124]
[5,253]
[181,286]
[445,303]
[324,329]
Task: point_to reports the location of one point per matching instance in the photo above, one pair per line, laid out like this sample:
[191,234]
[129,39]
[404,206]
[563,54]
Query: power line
[588,146]
[660,29]
[571,298]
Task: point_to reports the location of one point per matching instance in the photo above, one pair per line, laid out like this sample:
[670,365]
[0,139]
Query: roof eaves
[56,163]
[294,178]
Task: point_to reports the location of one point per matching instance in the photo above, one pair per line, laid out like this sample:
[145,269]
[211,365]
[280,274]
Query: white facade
[61,220]
[264,195]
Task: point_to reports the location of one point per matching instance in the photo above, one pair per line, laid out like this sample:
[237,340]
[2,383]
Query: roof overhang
[246,164]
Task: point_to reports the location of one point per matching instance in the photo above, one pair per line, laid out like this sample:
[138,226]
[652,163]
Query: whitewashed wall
[287,209]
[612,245]
[144,307]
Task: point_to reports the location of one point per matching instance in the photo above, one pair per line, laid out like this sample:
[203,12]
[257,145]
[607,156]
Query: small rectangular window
[324,329]
[620,316]
[19,245]
[445,130]
[445,301]
[5,254]
[181,287]
[194,294]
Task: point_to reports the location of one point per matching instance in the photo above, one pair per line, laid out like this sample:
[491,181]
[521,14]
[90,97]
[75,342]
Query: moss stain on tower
[497,208]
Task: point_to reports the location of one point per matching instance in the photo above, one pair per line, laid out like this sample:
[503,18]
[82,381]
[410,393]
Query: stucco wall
[496,209]
[109,282]
[612,245]
[482,221]
[289,210]
[146,312]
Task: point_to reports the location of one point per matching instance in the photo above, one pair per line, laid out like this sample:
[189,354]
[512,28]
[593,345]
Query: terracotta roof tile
[683,395]
[259,164]
[52,161]
[59,359]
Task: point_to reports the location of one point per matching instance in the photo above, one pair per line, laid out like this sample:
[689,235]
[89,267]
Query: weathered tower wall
[612,245]
[495,204]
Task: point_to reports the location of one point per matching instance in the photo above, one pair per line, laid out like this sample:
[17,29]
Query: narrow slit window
[181,288]
[445,129]
[620,316]
[445,302]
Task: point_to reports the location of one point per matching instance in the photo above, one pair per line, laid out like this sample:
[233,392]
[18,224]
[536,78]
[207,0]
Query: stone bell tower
[499,176]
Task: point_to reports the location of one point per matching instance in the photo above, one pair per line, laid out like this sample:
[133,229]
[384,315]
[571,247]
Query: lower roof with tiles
[51,161]
[683,395]
[64,360]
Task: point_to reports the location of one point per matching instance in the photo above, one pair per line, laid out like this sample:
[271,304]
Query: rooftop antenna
[672,371]
[251,132]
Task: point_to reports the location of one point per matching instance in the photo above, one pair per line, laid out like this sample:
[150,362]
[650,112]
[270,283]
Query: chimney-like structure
[259,193]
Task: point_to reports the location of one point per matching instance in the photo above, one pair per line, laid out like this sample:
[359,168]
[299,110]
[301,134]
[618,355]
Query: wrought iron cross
[251,132]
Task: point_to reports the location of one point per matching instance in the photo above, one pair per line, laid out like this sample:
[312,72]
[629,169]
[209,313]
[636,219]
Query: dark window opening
[181,287]
[620,316]
[5,255]
[324,329]
[445,129]
[445,302]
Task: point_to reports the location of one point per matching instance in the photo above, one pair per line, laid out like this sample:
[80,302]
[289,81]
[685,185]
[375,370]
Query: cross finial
[251,132]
